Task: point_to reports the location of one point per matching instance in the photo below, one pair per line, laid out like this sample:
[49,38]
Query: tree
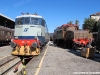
[70,22]
[90,24]
[98,25]
[76,22]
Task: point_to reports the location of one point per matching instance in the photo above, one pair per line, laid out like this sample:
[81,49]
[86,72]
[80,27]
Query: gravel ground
[60,61]
[5,50]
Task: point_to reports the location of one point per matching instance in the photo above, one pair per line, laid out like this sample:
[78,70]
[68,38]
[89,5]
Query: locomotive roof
[6,17]
[69,25]
[29,15]
[57,29]
[81,31]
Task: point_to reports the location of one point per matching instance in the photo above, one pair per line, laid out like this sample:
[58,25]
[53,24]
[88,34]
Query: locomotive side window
[3,32]
[43,22]
[8,33]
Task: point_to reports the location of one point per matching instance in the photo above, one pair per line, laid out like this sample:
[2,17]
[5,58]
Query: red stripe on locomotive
[27,42]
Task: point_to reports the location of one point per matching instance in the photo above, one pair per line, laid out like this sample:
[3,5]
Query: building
[6,21]
[95,16]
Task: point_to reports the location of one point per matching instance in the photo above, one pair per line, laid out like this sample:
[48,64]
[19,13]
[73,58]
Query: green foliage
[90,24]
[98,23]
[76,22]
[70,22]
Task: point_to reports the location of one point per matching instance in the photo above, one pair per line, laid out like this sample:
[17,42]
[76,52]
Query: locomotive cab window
[35,21]
[19,21]
[27,20]
[43,22]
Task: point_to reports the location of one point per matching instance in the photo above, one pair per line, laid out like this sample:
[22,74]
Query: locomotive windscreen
[69,34]
[28,20]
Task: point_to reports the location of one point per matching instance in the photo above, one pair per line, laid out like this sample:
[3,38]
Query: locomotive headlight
[12,44]
[34,45]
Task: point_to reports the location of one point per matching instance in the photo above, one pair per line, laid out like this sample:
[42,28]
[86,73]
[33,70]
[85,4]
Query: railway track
[30,66]
[7,64]
[13,65]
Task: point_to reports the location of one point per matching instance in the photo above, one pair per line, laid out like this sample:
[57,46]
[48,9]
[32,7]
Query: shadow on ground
[78,53]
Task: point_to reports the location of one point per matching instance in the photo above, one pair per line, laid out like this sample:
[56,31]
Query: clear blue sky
[56,12]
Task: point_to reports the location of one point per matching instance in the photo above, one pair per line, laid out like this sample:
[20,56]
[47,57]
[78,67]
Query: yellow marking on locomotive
[26,50]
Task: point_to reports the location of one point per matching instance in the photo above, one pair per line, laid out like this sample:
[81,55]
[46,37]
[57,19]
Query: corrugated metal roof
[6,17]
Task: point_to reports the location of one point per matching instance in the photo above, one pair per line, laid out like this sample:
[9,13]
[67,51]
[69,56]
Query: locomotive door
[43,34]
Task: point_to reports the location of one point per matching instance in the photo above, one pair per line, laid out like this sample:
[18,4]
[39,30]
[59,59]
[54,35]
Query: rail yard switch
[88,52]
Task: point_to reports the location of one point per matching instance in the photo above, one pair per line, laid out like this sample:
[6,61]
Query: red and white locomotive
[31,33]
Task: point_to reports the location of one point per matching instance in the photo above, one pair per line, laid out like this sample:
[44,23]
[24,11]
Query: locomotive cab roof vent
[28,13]
[35,13]
[24,14]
